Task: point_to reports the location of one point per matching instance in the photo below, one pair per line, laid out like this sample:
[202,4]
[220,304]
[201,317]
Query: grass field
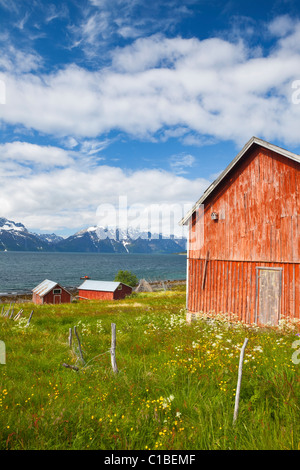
[175,388]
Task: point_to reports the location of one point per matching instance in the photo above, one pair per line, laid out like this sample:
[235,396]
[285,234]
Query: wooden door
[57,299]
[268,295]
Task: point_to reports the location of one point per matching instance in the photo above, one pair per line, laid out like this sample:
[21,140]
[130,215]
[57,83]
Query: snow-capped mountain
[9,225]
[49,237]
[119,240]
[15,237]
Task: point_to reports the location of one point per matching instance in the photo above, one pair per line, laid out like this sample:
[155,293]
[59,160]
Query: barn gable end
[50,292]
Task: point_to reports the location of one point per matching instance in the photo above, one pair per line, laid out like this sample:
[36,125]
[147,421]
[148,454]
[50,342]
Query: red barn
[244,239]
[103,290]
[49,292]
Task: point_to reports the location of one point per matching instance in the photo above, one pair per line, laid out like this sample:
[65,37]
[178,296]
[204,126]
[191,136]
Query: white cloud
[35,155]
[70,197]
[10,5]
[15,61]
[49,188]
[281,25]
[211,87]
[192,90]
[105,20]
[180,162]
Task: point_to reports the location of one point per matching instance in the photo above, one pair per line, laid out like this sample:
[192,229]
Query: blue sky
[102,99]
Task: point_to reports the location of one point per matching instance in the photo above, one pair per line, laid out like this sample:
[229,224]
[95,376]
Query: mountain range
[15,237]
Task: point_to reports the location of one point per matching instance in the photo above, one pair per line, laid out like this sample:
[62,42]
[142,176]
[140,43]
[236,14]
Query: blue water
[22,271]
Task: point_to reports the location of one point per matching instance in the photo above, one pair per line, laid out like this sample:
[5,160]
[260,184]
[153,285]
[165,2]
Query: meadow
[175,388]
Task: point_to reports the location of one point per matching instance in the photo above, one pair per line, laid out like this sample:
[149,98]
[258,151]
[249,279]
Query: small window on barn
[56,291]
[120,287]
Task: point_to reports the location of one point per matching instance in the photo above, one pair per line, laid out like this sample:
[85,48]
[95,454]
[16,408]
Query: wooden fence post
[6,313]
[18,315]
[12,312]
[70,337]
[29,319]
[79,345]
[113,348]
[238,388]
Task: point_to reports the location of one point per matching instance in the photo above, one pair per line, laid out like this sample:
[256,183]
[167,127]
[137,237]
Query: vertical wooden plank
[243,286]
[297,291]
[237,291]
[229,289]
[217,288]
[233,309]
[294,292]
[198,280]
[205,269]
[249,292]
[193,285]
[190,280]
[223,287]
[208,290]
[226,290]
[283,290]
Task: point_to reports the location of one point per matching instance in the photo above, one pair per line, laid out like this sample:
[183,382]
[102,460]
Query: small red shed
[244,239]
[103,290]
[50,292]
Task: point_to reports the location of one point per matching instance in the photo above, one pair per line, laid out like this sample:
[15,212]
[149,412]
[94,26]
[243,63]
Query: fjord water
[22,271]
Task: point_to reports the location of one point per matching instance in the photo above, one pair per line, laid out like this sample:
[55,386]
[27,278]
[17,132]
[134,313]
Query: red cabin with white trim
[50,292]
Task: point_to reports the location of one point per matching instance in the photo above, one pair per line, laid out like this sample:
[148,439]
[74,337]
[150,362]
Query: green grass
[175,388]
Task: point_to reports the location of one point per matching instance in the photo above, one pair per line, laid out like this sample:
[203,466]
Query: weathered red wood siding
[95,295]
[258,205]
[122,293]
[65,297]
[36,299]
[230,288]
[104,295]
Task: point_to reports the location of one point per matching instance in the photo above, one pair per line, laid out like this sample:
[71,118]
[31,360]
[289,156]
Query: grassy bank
[174,390]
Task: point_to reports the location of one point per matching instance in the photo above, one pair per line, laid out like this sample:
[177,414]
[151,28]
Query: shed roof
[44,287]
[250,143]
[106,286]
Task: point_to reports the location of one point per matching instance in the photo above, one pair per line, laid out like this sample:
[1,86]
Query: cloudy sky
[138,100]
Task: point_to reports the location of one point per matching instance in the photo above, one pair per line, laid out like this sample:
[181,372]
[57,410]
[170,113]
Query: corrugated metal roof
[252,141]
[106,286]
[44,287]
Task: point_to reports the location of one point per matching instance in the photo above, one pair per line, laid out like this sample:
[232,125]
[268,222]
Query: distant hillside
[15,237]
[102,240]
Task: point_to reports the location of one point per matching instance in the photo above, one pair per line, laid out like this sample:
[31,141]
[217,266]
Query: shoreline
[26,295]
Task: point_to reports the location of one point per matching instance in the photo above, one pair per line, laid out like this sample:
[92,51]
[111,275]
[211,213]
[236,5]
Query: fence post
[113,348]
[12,311]
[79,345]
[70,337]
[238,388]
[18,315]
[29,319]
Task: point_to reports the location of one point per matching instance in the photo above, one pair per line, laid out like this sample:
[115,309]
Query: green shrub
[127,278]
